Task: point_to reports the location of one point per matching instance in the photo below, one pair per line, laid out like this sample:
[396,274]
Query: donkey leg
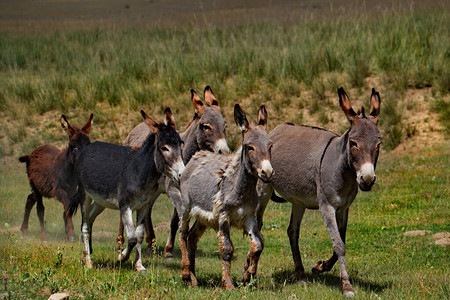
[329,216]
[127,217]
[120,239]
[139,233]
[95,210]
[31,200]
[62,197]
[226,250]
[256,248]
[40,212]
[327,265]
[86,228]
[168,249]
[194,235]
[148,224]
[293,233]
[184,227]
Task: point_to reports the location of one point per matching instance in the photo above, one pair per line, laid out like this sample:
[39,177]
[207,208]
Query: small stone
[4,296]
[59,296]
[417,233]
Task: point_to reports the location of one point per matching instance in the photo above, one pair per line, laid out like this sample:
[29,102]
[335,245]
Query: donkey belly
[296,155]
[110,202]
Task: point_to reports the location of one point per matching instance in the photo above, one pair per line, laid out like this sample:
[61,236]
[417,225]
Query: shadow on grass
[288,277]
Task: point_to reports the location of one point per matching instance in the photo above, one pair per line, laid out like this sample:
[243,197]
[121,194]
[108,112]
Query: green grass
[127,69]
[411,194]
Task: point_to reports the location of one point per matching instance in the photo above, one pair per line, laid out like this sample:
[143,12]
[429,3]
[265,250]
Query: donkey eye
[250,148]
[164,149]
[206,127]
[270,147]
[353,144]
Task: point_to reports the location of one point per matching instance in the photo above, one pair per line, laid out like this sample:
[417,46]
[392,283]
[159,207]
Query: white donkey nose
[221,146]
[266,171]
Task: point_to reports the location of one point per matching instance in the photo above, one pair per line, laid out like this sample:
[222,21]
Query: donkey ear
[346,106]
[150,123]
[241,119]
[66,126]
[168,118]
[262,116]
[87,127]
[375,102]
[198,103]
[210,99]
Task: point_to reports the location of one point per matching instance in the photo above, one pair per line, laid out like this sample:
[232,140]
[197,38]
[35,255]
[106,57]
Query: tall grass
[127,69]
[106,65]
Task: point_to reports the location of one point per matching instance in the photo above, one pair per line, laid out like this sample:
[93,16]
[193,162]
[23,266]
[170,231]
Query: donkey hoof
[347,290]
[318,268]
[303,281]
[141,270]
[168,255]
[349,294]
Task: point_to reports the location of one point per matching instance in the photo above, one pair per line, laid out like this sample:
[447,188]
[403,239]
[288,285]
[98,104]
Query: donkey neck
[189,136]
[145,156]
[243,184]
[335,171]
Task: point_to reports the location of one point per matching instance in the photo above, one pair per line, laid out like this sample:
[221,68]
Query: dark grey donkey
[207,131]
[219,191]
[317,169]
[120,177]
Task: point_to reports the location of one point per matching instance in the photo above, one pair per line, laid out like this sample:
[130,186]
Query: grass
[411,194]
[128,68]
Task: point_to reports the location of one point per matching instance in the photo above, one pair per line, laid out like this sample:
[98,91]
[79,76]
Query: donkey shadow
[288,277]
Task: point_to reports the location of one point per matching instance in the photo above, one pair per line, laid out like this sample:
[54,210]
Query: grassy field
[51,66]
[412,194]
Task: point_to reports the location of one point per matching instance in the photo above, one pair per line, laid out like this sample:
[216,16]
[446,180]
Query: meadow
[295,70]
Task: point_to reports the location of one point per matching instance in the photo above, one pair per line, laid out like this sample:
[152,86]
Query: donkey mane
[310,126]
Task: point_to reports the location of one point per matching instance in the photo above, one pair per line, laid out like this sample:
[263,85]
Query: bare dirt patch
[417,233]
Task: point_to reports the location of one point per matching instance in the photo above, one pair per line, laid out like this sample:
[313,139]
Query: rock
[59,296]
[417,233]
[440,235]
[443,242]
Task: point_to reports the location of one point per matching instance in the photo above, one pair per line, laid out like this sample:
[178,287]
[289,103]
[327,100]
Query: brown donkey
[51,175]
[317,169]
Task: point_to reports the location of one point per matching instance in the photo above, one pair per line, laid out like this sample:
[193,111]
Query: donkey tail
[25,159]
[75,202]
[277,199]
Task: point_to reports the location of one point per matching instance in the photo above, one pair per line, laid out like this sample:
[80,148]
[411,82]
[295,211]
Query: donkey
[317,169]
[207,131]
[120,177]
[51,174]
[219,191]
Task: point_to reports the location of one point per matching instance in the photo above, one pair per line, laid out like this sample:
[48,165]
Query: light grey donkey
[219,191]
[317,169]
[206,131]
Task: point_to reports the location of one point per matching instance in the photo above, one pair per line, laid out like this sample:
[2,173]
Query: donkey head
[256,144]
[364,139]
[78,138]
[211,129]
[168,146]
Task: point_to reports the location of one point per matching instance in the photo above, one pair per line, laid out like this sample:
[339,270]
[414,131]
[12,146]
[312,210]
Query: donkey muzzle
[366,177]
[265,172]
[221,146]
[176,171]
